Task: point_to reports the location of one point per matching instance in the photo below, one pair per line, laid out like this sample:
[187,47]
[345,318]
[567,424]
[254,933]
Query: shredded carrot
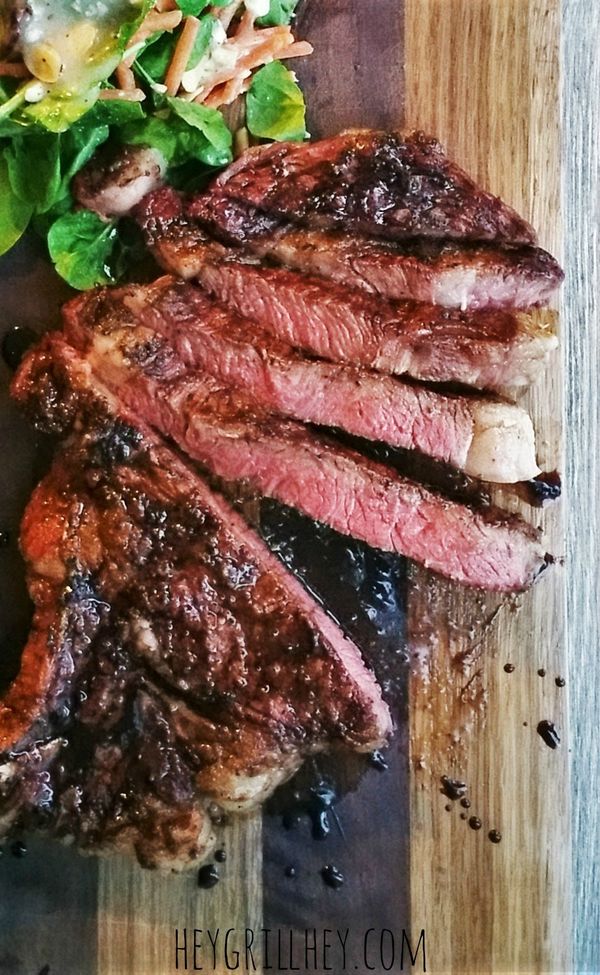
[14,69]
[125,78]
[260,50]
[226,14]
[152,23]
[181,55]
[135,95]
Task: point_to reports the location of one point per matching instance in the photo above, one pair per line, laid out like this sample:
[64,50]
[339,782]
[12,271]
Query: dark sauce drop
[544,488]
[208,876]
[290,871]
[322,800]
[560,681]
[509,668]
[448,807]
[549,734]
[220,856]
[377,760]
[15,344]
[463,815]
[475,822]
[494,836]
[541,672]
[332,876]
[452,788]
[18,849]
[465,803]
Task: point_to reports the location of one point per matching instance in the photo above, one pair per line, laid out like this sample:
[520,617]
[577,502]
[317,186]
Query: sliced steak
[471,277]
[491,439]
[376,183]
[173,659]
[234,439]
[489,349]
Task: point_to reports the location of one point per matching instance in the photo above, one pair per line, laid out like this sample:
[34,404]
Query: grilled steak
[488,349]
[231,436]
[486,438]
[173,659]
[472,277]
[377,183]
[467,276]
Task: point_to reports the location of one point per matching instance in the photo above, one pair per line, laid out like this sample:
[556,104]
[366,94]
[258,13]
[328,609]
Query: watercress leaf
[155,57]
[275,106]
[112,111]
[202,42]
[78,146]
[81,245]
[14,212]
[280,12]
[192,8]
[204,135]
[154,131]
[34,169]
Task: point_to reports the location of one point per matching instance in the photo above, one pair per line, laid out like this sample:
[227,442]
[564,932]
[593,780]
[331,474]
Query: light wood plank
[138,911]
[581,348]
[484,77]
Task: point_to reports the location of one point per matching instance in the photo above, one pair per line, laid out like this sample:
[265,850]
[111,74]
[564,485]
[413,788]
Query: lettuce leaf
[185,132]
[15,214]
[280,12]
[275,106]
[81,246]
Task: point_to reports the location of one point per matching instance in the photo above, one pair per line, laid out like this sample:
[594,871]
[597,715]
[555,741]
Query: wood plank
[581,321]
[484,77]
[139,911]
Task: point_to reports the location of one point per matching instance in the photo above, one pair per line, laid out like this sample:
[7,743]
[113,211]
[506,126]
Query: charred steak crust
[378,183]
[173,660]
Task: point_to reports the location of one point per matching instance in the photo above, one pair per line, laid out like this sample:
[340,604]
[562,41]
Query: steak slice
[489,350]
[487,438]
[173,659]
[235,440]
[470,277]
[381,184]
[467,276]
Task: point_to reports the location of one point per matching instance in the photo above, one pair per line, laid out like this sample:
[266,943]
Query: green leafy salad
[76,75]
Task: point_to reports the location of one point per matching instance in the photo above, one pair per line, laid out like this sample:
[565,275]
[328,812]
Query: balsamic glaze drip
[208,876]
[317,803]
[15,344]
[332,876]
[220,856]
[544,488]
[560,681]
[495,836]
[549,734]
[541,672]
[452,788]
[378,760]
[463,815]
[448,807]
[290,871]
[465,803]
[475,822]
[509,668]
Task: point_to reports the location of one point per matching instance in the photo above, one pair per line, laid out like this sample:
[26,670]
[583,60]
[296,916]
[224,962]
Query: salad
[194,79]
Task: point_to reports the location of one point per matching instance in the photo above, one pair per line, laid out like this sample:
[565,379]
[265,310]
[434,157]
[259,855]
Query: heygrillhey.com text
[311,950]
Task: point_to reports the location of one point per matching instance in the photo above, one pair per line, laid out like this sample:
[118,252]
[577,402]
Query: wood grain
[484,77]
[581,350]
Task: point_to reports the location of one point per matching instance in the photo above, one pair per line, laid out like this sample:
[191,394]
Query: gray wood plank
[581,321]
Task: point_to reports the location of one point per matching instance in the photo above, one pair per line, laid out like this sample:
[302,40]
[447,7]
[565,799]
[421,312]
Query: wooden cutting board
[483,76]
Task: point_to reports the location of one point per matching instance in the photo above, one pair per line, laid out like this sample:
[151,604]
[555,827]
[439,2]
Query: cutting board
[469,676]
